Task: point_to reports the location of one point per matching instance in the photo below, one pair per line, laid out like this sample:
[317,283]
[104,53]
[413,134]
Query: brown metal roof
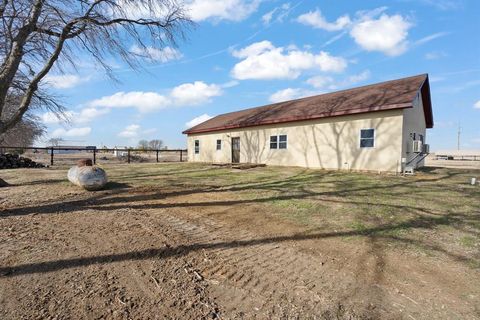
[389,95]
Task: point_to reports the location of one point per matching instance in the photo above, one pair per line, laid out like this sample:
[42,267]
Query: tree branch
[33,86]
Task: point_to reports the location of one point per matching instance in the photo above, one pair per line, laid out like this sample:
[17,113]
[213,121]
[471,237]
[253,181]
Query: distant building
[120,153]
[70,149]
[457,155]
[380,127]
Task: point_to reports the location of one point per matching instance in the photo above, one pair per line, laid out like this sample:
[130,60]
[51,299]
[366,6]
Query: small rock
[84,163]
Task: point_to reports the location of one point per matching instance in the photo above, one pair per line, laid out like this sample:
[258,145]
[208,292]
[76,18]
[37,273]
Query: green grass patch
[468,241]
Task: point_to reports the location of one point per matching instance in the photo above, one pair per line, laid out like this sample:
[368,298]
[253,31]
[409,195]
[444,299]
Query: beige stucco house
[379,127]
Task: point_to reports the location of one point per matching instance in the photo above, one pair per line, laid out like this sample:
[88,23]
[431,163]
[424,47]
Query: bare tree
[24,132]
[143,144]
[55,142]
[155,144]
[37,36]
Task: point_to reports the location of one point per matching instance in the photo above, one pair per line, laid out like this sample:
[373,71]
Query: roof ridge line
[321,94]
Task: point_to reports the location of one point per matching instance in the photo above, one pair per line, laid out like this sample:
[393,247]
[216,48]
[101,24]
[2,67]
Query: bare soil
[455,164]
[182,241]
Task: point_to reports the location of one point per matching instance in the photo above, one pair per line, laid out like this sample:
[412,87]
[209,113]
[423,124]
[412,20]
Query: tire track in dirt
[278,279]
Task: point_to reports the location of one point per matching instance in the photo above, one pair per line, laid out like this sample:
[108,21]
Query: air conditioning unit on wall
[417,146]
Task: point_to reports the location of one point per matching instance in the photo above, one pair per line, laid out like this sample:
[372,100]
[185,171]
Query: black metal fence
[67,155]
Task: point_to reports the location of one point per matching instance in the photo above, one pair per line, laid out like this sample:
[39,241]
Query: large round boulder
[88,177]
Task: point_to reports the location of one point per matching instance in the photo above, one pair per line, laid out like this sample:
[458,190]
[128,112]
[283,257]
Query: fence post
[181,155]
[157,155]
[51,156]
[95,156]
[128,156]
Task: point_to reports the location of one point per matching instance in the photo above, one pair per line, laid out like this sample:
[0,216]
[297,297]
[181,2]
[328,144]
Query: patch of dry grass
[436,207]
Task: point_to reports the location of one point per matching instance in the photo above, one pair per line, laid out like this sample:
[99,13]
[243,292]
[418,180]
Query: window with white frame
[278,142]
[282,141]
[273,142]
[197,146]
[367,138]
[219,144]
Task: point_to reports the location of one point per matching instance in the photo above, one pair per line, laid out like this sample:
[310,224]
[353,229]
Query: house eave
[298,119]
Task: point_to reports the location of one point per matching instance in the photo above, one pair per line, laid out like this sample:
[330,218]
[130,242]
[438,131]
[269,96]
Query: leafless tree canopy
[154,144]
[55,142]
[39,35]
[24,132]
[143,144]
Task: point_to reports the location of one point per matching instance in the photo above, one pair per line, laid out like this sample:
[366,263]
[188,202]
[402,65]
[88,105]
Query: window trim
[273,142]
[218,146]
[277,142]
[374,138]
[196,146]
[285,142]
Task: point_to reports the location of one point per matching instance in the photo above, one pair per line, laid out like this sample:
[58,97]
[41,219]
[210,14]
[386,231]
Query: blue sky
[246,53]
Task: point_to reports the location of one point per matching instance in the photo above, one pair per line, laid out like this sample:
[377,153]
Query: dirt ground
[184,241]
[455,164]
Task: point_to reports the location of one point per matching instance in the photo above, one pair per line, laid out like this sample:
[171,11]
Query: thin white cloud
[387,34]
[134,131]
[431,37]
[64,81]
[230,84]
[277,14]
[130,131]
[317,20]
[85,115]
[89,114]
[197,10]
[321,84]
[267,17]
[71,133]
[195,121]
[187,94]
[434,55]
[157,55]
[320,81]
[444,5]
[262,60]
[232,10]
[51,118]
[328,83]
[477,105]
[334,39]
[290,94]
[143,101]
[254,49]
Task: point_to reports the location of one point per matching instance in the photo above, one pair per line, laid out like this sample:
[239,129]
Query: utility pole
[458,136]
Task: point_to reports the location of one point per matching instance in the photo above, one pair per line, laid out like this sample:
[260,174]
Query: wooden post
[51,156]
[128,156]
[181,155]
[95,156]
[157,155]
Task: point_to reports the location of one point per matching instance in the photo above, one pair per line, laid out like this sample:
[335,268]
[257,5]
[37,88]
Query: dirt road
[147,252]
